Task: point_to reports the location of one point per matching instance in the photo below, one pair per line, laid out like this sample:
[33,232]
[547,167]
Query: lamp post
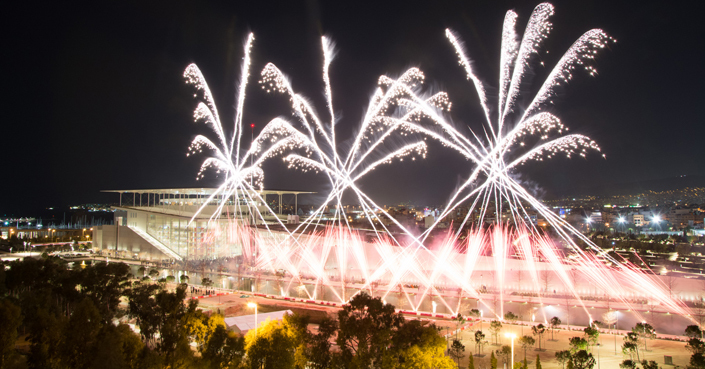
[254,305]
[616,318]
[598,355]
[511,336]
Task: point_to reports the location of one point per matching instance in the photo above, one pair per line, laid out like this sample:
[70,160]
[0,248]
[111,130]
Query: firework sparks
[337,258]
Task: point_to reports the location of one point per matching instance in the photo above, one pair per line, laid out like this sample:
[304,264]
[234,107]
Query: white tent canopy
[244,323]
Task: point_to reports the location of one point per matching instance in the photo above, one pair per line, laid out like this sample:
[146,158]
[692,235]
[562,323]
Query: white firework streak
[500,190]
[242,170]
[344,171]
[397,109]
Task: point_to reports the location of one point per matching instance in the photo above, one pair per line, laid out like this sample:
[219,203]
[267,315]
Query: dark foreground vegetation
[52,316]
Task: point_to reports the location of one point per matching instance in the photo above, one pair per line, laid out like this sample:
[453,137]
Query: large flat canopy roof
[201,191]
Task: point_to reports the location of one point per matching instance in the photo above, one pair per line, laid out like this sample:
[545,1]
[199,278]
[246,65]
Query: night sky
[94,99]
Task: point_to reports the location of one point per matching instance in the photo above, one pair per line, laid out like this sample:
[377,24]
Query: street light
[616,318]
[511,336]
[253,305]
[657,219]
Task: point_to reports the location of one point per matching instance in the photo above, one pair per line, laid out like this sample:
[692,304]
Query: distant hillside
[635,187]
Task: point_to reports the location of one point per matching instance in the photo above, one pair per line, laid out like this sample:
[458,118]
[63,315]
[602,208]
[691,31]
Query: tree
[592,334]
[696,346]
[142,270]
[457,350]
[104,285]
[649,364]
[546,277]
[479,340]
[577,344]
[554,323]
[693,331]
[10,319]
[200,327]
[415,344]
[269,346]
[116,347]
[417,357]
[610,318]
[206,282]
[526,342]
[645,331]
[318,351]
[511,317]
[538,362]
[563,357]
[495,328]
[504,353]
[366,328]
[225,349]
[141,305]
[538,330]
[493,361]
[697,361]
[160,316]
[45,335]
[630,345]
[183,278]
[459,321]
[582,360]
[131,345]
[471,362]
[297,329]
[80,335]
[699,312]
[628,364]
[153,273]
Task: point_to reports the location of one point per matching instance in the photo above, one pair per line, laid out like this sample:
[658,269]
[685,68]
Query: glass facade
[194,241]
